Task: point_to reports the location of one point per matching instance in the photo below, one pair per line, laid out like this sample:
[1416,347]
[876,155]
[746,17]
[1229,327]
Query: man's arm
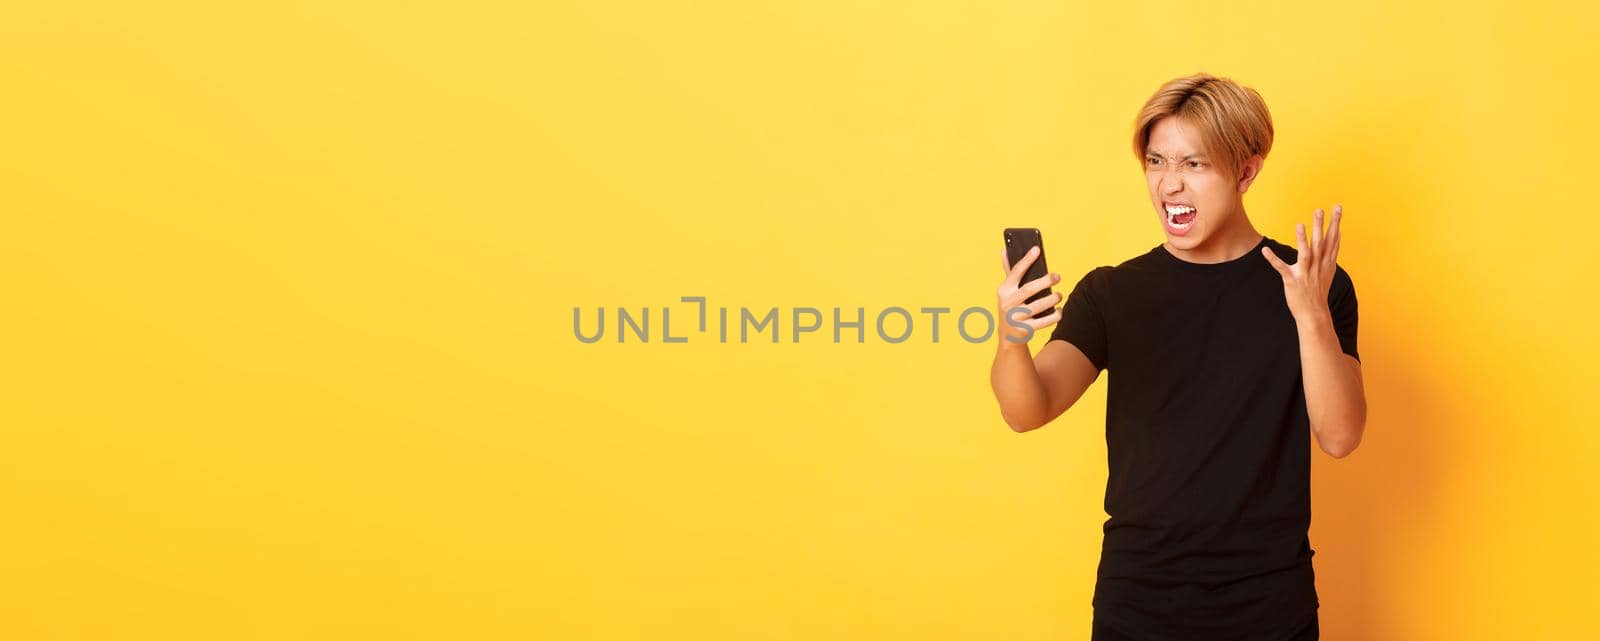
[1335,398]
[1034,390]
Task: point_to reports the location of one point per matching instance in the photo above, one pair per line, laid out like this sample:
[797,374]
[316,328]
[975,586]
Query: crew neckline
[1254,251]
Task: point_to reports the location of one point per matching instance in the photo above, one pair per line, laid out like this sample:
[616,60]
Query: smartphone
[1018,241]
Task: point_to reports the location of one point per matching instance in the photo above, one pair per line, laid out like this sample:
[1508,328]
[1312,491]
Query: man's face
[1185,180]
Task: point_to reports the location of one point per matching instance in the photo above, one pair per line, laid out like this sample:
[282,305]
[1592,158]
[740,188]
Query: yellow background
[288,290]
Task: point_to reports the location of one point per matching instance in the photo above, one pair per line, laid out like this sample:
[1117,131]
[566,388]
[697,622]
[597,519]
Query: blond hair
[1233,120]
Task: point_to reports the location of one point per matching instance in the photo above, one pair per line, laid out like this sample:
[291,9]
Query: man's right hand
[1013,293]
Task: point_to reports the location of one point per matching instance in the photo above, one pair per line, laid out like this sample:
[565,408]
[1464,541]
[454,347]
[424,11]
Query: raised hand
[1013,293]
[1306,282]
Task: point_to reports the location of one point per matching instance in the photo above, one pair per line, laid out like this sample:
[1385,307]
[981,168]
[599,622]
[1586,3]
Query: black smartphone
[1018,241]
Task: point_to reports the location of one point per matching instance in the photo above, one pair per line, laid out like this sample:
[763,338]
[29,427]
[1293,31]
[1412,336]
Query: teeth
[1173,211]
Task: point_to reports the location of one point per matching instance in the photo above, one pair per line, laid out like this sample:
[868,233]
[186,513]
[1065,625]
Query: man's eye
[1194,164]
[1153,161]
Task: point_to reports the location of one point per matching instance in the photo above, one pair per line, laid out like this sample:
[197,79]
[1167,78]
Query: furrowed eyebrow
[1157,154]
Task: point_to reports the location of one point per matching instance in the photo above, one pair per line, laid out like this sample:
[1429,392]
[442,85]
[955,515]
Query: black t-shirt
[1208,441]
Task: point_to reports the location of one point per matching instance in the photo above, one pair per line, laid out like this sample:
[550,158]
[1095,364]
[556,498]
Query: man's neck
[1223,246]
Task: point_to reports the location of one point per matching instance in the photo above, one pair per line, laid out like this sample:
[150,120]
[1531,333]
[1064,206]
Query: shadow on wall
[1370,509]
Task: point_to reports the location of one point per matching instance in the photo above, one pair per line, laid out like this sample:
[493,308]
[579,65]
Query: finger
[1316,231]
[1021,267]
[1044,321]
[1044,303]
[1277,263]
[1017,313]
[1302,256]
[1332,254]
[1038,284]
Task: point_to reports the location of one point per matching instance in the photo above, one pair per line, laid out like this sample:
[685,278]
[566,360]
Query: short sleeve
[1083,321]
[1342,305]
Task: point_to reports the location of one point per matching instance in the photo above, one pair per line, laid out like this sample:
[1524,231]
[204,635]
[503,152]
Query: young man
[1226,351]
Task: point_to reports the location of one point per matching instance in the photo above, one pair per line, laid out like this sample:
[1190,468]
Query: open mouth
[1180,217]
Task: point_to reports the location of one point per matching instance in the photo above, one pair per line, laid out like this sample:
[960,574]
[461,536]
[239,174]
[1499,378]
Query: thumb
[1277,263]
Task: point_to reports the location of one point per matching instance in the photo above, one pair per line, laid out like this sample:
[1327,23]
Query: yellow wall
[288,291]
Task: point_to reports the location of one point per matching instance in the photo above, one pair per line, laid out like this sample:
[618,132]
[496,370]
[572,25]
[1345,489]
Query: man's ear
[1248,173]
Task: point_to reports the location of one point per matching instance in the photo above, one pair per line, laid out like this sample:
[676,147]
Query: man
[1226,351]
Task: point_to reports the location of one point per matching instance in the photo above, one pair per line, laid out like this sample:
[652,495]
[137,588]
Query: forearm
[1335,400]
[1024,400]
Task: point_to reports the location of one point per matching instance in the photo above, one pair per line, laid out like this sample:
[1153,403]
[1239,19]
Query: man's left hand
[1306,282]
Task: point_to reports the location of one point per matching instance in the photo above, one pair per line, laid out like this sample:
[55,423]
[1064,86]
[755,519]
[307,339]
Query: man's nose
[1171,184]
